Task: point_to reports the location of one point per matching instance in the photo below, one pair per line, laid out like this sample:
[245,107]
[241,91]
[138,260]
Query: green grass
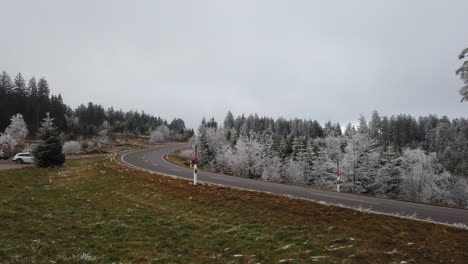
[95,211]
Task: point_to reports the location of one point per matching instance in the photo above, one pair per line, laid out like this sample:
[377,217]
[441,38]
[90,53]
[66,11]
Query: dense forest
[34,99]
[423,159]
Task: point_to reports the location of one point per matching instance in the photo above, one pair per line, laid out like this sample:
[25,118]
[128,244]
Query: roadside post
[195,165]
[337,176]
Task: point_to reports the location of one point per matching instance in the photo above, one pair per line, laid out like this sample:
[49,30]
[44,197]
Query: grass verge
[95,211]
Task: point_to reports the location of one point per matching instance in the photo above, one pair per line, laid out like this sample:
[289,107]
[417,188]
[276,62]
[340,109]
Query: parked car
[4,155]
[24,157]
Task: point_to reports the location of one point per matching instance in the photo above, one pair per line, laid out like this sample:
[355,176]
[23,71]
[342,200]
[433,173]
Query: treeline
[448,138]
[424,159]
[33,100]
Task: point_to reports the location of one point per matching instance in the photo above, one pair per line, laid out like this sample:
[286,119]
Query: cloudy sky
[324,60]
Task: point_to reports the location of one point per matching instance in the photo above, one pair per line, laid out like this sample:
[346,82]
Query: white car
[24,157]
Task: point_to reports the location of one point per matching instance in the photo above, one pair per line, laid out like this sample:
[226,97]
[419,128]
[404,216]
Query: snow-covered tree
[103,139]
[360,163]
[294,171]
[17,128]
[7,141]
[418,172]
[160,134]
[16,133]
[271,169]
[388,180]
[375,125]
[246,160]
[463,72]
[363,128]
[48,152]
[6,84]
[71,147]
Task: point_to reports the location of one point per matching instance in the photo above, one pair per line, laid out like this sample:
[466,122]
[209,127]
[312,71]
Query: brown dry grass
[119,214]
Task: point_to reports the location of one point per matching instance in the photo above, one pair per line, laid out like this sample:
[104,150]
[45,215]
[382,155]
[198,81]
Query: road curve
[152,160]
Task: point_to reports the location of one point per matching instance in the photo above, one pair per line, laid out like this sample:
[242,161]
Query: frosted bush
[71,147]
[160,134]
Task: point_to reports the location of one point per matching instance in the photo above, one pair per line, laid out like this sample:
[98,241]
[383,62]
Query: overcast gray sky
[324,60]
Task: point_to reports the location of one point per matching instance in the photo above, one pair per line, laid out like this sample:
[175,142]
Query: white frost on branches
[160,134]
[366,164]
[71,147]
[463,72]
[16,133]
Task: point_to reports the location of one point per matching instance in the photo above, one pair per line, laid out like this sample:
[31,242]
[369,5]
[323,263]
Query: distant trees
[49,152]
[34,100]
[423,159]
[463,72]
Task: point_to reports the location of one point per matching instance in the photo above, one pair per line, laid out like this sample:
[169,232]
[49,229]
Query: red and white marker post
[195,163]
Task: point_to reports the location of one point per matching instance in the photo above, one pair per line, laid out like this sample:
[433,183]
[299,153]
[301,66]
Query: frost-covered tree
[375,125]
[7,141]
[247,158]
[160,134]
[49,152]
[229,121]
[271,169]
[360,163]
[17,130]
[103,139]
[419,176]
[6,84]
[294,171]
[463,72]
[71,147]
[363,128]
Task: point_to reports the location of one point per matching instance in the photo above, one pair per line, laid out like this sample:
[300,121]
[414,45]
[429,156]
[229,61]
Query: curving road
[152,160]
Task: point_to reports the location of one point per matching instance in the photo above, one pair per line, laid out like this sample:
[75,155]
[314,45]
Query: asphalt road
[8,165]
[152,160]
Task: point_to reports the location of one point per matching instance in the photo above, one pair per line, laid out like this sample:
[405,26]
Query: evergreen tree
[43,88]
[375,125]
[48,152]
[349,131]
[205,154]
[328,129]
[32,87]
[20,85]
[338,132]
[363,128]
[229,121]
[6,85]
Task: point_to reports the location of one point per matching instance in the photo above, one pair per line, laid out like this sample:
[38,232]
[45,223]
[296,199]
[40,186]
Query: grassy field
[95,211]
